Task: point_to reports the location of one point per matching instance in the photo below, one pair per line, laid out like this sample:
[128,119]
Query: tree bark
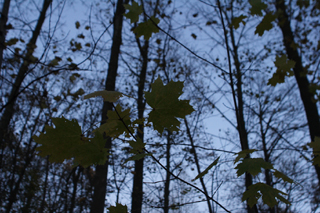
[3,28]
[300,74]
[100,183]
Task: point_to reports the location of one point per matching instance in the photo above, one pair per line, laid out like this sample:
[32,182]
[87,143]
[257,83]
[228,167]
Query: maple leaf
[66,142]
[243,154]
[269,195]
[252,166]
[265,24]
[237,20]
[284,67]
[147,28]
[115,125]
[134,11]
[166,106]
[257,6]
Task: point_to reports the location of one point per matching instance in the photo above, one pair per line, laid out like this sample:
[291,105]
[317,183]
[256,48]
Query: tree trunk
[100,183]
[300,74]
[137,190]
[238,99]
[3,28]
[167,182]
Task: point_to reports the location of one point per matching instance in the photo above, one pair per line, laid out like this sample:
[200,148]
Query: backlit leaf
[147,28]
[119,208]
[284,67]
[111,96]
[257,6]
[66,141]
[206,170]
[115,125]
[265,24]
[134,11]
[284,177]
[252,166]
[243,154]
[166,106]
[315,145]
[269,195]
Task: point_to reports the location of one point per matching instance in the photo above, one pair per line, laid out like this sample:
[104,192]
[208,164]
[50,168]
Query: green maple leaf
[166,106]
[237,20]
[66,142]
[315,145]
[284,67]
[269,195]
[243,154]
[257,6]
[265,24]
[135,11]
[119,208]
[252,166]
[147,28]
[110,96]
[115,125]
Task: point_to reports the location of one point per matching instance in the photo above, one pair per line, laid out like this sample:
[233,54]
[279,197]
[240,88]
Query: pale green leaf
[269,195]
[284,177]
[252,166]
[115,126]
[110,96]
[137,157]
[206,170]
[315,145]
[243,154]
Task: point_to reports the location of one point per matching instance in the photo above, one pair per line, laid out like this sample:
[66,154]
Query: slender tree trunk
[9,107]
[137,191]
[238,98]
[75,181]
[198,166]
[300,74]
[45,185]
[3,28]
[100,179]
[167,182]
[267,172]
